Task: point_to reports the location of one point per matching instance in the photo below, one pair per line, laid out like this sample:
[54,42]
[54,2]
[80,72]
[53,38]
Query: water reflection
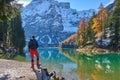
[52,59]
[95,67]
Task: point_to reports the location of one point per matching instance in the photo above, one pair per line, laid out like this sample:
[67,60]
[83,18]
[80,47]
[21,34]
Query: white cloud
[111,1]
[24,2]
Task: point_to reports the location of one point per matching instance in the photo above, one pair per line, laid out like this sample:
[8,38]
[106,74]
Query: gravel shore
[15,70]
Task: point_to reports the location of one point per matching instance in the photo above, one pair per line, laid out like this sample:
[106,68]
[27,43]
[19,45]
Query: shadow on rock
[4,77]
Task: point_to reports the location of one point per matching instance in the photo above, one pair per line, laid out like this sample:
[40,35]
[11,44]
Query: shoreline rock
[94,50]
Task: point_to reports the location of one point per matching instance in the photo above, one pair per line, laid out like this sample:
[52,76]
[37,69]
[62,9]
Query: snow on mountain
[51,21]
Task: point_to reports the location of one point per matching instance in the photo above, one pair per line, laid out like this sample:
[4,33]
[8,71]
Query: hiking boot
[62,78]
[33,68]
[39,66]
[52,74]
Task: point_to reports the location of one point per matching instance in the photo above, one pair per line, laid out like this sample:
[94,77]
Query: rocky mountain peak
[51,21]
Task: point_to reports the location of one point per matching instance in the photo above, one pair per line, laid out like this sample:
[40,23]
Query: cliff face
[51,21]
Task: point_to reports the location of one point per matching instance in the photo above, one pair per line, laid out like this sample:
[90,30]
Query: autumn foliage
[98,22]
[81,31]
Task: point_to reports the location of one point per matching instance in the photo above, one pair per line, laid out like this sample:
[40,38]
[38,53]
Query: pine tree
[81,32]
[90,32]
[102,16]
[18,36]
[115,26]
[12,33]
[96,27]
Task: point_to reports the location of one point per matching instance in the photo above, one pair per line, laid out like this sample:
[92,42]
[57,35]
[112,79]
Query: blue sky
[86,4]
[82,4]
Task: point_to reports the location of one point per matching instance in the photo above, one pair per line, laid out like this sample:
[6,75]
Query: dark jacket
[33,44]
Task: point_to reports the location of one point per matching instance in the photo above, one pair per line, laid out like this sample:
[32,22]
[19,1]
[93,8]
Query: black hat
[33,36]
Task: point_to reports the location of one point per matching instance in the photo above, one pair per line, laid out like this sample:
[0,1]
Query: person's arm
[29,46]
[37,45]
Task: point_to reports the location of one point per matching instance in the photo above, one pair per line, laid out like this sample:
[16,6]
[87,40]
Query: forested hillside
[11,31]
[102,30]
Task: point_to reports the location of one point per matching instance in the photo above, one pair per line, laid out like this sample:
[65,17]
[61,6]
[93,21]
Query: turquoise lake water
[78,66]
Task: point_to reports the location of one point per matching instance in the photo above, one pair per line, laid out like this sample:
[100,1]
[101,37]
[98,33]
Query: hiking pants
[32,53]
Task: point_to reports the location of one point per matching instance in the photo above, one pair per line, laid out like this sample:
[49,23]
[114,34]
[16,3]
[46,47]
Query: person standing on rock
[33,45]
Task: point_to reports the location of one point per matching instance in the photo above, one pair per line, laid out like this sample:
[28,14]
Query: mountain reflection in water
[53,60]
[95,66]
[78,66]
